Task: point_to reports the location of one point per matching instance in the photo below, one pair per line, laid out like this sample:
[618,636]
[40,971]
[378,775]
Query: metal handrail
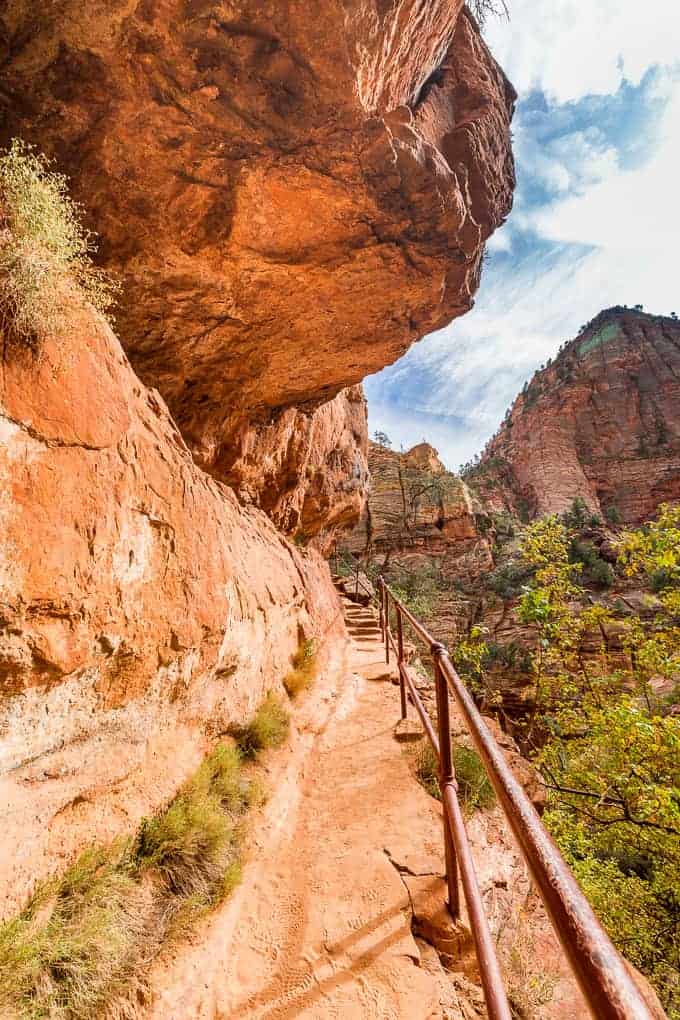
[357,580]
[607,985]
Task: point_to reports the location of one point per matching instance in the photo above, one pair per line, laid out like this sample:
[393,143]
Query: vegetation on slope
[84,944]
[303,673]
[46,262]
[474,789]
[606,737]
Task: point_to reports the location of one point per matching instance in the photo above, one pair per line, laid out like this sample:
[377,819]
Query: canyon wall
[291,193]
[601,422]
[418,514]
[142,609]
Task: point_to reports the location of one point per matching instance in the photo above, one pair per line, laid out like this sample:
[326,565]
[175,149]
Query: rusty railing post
[400,664]
[446,774]
[387,623]
[381,607]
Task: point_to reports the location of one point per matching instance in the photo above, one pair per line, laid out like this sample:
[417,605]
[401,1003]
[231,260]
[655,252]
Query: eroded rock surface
[308,470]
[418,513]
[292,193]
[141,607]
[601,422]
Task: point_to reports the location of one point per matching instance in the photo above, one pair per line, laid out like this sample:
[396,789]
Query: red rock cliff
[141,607]
[292,193]
[418,514]
[601,422]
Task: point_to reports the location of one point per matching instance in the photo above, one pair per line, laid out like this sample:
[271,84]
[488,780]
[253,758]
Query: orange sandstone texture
[292,193]
[601,422]
[141,607]
[419,514]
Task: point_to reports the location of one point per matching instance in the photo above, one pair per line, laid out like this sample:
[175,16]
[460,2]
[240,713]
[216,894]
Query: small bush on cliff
[485,9]
[268,728]
[509,579]
[193,845]
[45,252]
[613,515]
[304,669]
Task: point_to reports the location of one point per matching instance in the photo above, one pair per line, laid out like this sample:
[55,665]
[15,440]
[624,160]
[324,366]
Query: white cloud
[593,225]
[632,218]
[571,49]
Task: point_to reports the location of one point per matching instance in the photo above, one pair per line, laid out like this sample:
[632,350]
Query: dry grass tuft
[46,265]
[303,673]
[83,945]
[75,948]
[269,727]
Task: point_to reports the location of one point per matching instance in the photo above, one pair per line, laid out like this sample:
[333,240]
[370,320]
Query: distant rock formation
[291,193]
[418,511]
[601,422]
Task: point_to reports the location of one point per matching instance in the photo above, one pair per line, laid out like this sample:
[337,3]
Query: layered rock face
[309,471]
[417,511]
[601,422]
[141,607]
[292,194]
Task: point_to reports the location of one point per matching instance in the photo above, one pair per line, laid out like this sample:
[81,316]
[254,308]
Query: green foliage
[504,525]
[606,744]
[524,510]
[512,655]
[653,548]
[45,253]
[470,654]
[302,675]
[268,728]
[83,945]
[509,579]
[613,514]
[577,515]
[474,790]
[419,588]
[597,570]
[427,769]
[602,573]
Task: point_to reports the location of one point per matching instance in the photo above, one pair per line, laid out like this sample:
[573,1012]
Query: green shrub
[598,571]
[45,253]
[303,672]
[602,573]
[83,945]
[613,515]
[509,579]
[268,728]
[427,769]
[474,789]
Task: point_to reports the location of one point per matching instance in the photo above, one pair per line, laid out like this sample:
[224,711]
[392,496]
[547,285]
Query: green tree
[608,743]
[382,439]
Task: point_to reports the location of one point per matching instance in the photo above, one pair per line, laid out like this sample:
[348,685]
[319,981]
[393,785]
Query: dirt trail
[321,926]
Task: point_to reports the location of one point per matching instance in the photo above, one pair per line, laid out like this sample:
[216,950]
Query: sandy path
[321,926]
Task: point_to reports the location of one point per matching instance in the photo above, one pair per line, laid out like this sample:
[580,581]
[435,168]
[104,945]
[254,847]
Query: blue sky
[596,219]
